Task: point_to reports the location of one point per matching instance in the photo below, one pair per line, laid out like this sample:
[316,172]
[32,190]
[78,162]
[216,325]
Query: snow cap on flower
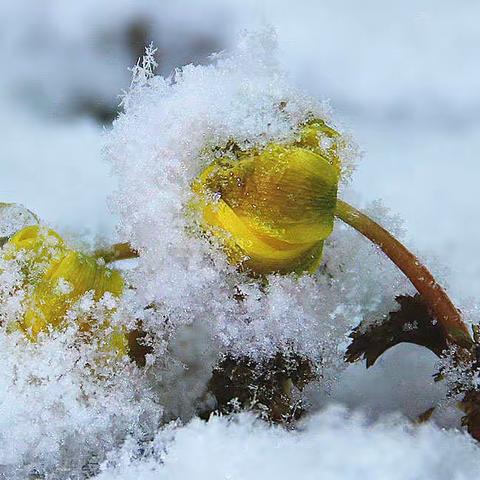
[56,278]
[234,112]
[272,209]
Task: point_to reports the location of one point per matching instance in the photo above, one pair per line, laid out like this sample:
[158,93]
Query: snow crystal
[63,400]
[57,415]
[158,146]
[13,218]
[63,287]
[331,445]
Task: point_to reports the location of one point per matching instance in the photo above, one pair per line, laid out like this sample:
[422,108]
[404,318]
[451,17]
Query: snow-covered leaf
[411,324]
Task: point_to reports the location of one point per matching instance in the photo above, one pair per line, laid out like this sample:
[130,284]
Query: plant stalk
[433,294]
[119,251]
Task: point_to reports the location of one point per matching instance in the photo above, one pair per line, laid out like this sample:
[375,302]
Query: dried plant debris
[271,387]
[412,323]
[139,347]
[425,416]
[471,406]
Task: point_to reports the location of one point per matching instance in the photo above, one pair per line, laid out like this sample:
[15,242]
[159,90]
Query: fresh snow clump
[158,147]
[63,405]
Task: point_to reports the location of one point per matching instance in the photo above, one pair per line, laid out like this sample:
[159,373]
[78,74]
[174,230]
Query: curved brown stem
[434,295]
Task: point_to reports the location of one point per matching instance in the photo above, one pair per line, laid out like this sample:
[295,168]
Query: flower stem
[119,251]
[433,294]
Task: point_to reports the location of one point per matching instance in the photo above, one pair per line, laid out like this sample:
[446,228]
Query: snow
[158,147]
[56,415]
[13,218]
[402,80]
[33,148]
[242,447]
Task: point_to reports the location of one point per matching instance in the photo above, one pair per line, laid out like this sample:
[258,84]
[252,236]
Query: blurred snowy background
[402,77]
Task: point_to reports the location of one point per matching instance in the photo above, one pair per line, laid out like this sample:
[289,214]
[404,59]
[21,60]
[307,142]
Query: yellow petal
[273,207]
[63,276]
[317,136]
[41,243]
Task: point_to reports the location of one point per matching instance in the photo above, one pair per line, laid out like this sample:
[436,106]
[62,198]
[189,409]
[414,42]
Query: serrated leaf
[412,323]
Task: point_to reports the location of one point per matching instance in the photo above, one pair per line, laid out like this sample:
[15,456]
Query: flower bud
[271,209]
[56,277]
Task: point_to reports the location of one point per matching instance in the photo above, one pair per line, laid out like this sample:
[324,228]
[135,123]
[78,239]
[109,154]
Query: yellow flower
[57,277]
[272,209]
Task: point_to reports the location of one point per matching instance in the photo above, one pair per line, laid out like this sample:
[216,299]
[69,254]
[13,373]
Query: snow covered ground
[402,79]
